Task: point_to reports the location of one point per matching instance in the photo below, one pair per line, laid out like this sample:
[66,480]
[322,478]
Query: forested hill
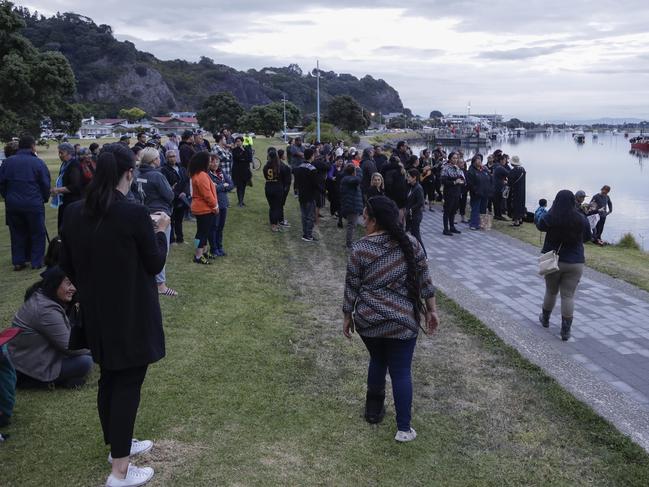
[112,74]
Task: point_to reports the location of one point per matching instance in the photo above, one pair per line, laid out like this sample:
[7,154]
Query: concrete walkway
[605,363]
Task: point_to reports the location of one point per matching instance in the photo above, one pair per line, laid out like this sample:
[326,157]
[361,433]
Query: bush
[628,241]
[328,133]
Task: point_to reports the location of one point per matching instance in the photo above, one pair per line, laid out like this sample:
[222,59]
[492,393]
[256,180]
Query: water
[555,161]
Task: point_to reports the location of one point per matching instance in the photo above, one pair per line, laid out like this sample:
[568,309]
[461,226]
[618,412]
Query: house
[174,124]
[94,129]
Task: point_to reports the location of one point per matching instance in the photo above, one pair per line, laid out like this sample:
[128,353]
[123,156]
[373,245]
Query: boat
[595,135]
[640,143]
[519,131]
[579,136]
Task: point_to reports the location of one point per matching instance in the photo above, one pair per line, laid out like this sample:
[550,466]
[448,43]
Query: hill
[113,74]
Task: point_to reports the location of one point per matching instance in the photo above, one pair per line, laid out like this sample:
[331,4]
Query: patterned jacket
[225,156]
[375,288]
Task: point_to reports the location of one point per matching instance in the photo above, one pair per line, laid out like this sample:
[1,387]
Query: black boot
[566,323]
[374,405]
[544,318]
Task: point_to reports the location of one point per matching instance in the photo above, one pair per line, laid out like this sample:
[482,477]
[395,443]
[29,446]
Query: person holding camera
[112,251]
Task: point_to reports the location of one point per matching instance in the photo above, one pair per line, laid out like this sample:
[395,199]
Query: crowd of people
[120,207]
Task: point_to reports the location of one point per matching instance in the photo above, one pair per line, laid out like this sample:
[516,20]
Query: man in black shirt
[307,183]
[141,140]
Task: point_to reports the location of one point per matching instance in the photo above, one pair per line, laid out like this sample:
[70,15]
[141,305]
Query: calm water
[555,161]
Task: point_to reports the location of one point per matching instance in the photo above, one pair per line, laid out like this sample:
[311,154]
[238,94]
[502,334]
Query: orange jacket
[203,194]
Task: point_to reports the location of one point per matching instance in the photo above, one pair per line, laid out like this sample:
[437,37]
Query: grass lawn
[623,263]
[259,387]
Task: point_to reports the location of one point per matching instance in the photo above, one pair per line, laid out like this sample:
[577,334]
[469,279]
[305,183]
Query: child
[540,211]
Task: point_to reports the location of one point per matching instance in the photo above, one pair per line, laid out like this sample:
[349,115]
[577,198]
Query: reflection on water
[555,161]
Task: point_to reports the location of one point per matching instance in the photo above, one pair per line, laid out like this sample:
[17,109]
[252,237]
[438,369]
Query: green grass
[619,261]
[260,388]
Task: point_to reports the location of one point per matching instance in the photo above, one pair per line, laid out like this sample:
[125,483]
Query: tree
[293,116]
[345,113]
[436,114]
[35,84]
[132,114]
[264,119]
[220,111]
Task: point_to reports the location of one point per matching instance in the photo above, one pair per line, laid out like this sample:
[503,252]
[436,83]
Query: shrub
[628,241]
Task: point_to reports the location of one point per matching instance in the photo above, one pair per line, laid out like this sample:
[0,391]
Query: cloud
[408,52]
[523,52]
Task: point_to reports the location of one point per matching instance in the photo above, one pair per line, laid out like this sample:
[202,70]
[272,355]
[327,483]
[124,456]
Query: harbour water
[555,161]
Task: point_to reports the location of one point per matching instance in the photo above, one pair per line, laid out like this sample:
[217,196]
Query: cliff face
[112,74]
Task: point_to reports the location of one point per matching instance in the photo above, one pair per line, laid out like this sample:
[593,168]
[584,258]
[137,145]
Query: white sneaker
[137,447]
[405,436]
[134,476]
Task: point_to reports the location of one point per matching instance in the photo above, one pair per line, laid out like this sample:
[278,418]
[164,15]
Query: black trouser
[437,183]
[27,232]
[118,399]
[203,226]
[286,192]
[463,198]
[498,202]
[241,191]
[451,204]
[275,197]
[599,228]
[412,225]
[177,215]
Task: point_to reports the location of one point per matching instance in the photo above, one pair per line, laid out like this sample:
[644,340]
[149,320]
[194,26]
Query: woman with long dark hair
[204,203]
[567,229]
[387,278]
[112,250]
[286,177]
[274,189]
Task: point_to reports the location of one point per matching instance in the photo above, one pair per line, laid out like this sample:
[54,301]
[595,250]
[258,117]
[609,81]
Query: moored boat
[640,143]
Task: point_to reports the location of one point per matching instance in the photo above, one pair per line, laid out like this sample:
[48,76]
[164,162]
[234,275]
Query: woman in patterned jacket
[387,277]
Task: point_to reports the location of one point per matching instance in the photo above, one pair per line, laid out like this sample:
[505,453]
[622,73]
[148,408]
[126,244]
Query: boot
[544,318]
[566,323]
[374,405]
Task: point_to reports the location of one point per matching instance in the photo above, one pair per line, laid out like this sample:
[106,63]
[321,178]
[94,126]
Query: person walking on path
[351,201]
[517,183]
[604,207]
[111,252]
[387,277]
[415,206]
[480,189]
[204,204]
[566,231]
[453,182]
[307,184]
[25,187]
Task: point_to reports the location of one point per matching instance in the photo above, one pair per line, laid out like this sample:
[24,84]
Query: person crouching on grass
[204,203]
[387,277]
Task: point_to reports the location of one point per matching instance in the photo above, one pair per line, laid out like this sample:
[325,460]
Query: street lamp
[318,101]
[284,100]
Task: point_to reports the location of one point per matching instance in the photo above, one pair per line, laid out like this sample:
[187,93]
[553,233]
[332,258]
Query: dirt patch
[168,456]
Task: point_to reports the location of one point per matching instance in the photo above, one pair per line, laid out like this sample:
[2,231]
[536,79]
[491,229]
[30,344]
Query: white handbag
[549,262]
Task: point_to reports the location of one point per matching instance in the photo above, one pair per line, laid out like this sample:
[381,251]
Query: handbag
[549,262]
[505,192]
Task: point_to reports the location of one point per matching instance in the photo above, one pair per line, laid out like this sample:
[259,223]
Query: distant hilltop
[601,121]
[112,74]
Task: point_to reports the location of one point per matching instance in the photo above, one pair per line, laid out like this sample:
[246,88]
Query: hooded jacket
[24,182]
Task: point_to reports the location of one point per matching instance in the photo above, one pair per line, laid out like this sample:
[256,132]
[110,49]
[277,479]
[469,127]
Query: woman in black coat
[241,174]
[517,191]
[112,253]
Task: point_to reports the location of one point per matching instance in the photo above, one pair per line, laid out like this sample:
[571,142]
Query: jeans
[74,371]
[118,398]
[215,237]
[564,281]
[478,207]
[27,234]
[308,218]
[352,219]
[395,356]
[162,277]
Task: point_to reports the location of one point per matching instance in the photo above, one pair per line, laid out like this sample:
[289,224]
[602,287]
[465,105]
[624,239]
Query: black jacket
[396,187]
[380,160]
[368,166]
[307,182]
[241,173]
[479,182]
[415,202]
[186,151]
[181,181]
[113,261]
[351,199]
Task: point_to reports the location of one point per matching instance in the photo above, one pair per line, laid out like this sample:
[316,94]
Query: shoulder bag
[549,262]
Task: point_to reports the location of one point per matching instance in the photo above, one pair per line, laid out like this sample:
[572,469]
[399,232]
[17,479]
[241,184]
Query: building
[174,124]
[95,129]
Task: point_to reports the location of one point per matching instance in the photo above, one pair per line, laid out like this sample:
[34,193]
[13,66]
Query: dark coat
[307,182]
[241,173]
[113,261]
[380,160]
[24,182]
[72,180]
[517,191]
[179,182]
[396,186]
[415,202]
[368,167]
[351,198]
[480,183]
[569,252]
[186,151]
[500,175]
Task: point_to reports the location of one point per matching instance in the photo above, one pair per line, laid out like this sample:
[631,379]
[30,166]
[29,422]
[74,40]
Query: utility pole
[318,101]
[284,100]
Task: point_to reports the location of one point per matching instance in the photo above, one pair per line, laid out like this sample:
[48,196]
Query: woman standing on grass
[111,252]
[223,185]
[204,203]
[286,177]
[517,192]
[274,189]
[567,229]
[387,277]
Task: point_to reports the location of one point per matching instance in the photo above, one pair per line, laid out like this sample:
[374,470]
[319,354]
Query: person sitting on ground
[387,277]
[40,353]
[351,200]
[541,210]
[377,186]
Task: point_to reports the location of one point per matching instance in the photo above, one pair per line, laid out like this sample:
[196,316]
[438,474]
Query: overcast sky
[536,60]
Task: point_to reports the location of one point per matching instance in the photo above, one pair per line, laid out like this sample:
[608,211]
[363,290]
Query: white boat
[520,131]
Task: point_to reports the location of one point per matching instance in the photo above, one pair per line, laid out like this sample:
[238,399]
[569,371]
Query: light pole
[318,101]
[284,100]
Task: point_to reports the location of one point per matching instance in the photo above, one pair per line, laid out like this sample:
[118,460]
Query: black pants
[286,193]
[275,197]
[177,216]
[241,192]
[27,233]
[203,226]
[451,204]
[599,228]
[463,200]
[413,224]
[498,203]
[118,399]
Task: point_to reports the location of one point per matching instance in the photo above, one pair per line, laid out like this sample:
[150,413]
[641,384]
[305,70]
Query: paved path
[605,364]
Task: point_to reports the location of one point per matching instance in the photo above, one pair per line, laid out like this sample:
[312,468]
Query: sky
[535,60]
